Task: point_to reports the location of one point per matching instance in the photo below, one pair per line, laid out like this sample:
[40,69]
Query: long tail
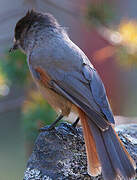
[105,152]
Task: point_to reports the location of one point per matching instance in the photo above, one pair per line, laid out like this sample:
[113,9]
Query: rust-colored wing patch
[43,76]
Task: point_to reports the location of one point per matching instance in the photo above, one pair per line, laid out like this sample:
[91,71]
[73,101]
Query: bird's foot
[46,128]
[66,126]
[69,128]
[52,126]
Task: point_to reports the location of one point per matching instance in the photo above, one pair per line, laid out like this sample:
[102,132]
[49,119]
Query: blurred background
[106,30]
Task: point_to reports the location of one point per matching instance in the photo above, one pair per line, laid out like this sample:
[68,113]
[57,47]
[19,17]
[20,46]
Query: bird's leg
[48,128]
[70,127]
[75,123]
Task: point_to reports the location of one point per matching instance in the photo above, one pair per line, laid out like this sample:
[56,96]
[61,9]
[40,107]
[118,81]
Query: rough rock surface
[60,153]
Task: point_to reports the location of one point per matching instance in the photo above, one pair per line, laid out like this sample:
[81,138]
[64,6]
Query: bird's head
[27,28]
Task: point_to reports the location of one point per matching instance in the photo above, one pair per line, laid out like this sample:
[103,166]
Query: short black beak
[15,47]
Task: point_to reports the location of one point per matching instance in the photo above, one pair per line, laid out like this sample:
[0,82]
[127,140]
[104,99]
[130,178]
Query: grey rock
[60,154]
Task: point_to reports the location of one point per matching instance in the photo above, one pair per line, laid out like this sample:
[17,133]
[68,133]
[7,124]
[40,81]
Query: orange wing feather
[44,78]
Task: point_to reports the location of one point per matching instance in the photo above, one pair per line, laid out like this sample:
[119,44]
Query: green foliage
[3,76]
[36,113]
[100,12]
[125,58]
[14,66]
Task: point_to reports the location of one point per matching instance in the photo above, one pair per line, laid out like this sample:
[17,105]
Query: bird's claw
[46,128]
[69,127]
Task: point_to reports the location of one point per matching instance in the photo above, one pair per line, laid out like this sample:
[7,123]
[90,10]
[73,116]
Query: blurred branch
[104,53]
[112,36]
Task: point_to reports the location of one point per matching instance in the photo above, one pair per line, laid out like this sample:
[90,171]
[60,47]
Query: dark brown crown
[31,18]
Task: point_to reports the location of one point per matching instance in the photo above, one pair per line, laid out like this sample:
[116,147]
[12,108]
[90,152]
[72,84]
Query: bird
[71,84]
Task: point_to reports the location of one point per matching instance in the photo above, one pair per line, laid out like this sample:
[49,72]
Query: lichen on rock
[60,154]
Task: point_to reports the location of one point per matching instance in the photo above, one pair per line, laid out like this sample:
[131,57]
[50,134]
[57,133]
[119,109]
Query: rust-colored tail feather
[94,167]
[106,152]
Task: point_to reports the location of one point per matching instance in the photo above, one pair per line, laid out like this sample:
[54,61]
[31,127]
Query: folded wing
[75,78]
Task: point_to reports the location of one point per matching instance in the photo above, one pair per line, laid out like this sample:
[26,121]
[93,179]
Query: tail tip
[96,171]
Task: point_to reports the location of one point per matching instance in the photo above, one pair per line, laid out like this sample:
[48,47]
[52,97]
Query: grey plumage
[74,71]
[74,82]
